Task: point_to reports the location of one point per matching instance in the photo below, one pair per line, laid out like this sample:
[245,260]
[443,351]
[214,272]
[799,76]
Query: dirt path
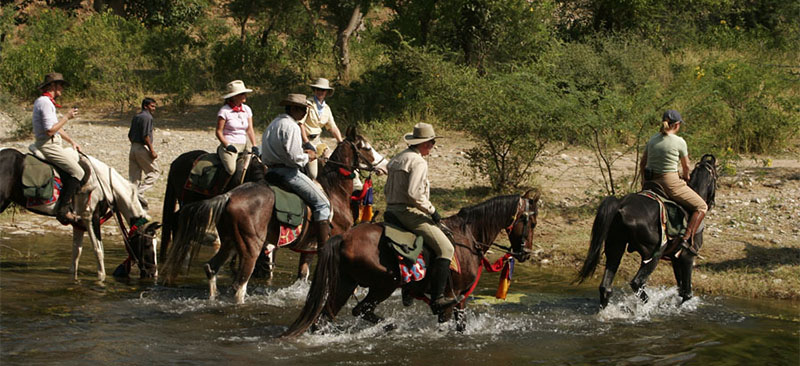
[753,248]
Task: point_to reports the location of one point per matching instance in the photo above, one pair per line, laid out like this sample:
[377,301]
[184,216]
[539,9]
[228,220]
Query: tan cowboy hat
[234,88]
[52,78]
[422,132]
[324,84]
[298,100]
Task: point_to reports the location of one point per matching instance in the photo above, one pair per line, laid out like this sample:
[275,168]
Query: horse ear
[532,194]
[351,133]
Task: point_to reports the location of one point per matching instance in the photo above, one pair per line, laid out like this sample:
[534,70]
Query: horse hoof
[372,318]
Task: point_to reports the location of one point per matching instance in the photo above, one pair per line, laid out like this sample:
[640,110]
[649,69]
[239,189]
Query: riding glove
[231,148]
[308,146]
[255,151]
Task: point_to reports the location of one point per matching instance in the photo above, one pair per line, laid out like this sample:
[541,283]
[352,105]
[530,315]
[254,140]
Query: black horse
[634,222]
[176,193]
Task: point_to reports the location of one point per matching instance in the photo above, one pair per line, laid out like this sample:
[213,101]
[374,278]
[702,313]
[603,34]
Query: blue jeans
[304,187]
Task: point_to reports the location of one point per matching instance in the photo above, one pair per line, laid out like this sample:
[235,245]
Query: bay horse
[245,223]
[176,193]
[112,194]
[634,222]
[356,258]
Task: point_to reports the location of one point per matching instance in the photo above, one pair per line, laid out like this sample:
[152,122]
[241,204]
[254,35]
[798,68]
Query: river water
[45,318]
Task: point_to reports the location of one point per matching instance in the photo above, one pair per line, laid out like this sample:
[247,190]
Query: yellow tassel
[502,289]
[366,213]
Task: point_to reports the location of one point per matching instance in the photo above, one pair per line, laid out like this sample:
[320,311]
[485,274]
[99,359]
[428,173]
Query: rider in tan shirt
[408,199]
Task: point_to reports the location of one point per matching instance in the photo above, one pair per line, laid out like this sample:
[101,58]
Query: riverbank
[752,245]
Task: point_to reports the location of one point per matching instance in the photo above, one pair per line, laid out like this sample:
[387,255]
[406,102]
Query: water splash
[662,302]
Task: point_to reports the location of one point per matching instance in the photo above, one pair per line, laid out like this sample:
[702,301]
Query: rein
[352,168]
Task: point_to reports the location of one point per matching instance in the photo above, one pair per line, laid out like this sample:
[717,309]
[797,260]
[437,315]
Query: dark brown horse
[244,217]
[356,258]
[176,193]
[633,222]
[112,194]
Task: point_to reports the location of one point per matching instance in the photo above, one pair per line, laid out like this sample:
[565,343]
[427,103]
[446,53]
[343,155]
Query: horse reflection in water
[355,258]
[111,194]
[245,222]
[634,222]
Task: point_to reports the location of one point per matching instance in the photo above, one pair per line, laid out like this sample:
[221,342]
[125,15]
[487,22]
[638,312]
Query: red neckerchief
[47,94]
[237,108]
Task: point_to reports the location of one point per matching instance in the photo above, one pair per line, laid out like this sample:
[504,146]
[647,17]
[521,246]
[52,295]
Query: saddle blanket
[289,234]
[415,272]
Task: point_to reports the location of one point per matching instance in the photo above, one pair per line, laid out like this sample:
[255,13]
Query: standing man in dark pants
[142,158]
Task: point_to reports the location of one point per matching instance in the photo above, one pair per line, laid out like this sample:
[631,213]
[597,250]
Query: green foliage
[179,13]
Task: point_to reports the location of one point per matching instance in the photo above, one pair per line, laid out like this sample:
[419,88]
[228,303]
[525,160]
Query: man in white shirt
[282,151]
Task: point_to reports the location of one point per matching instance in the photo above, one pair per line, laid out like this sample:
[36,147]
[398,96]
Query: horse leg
[77,248]
[97,244]
[366,308]
[638,282]
[212,267]
[250,247]
[682,267]
[303,267]
[460,317]
[614,249]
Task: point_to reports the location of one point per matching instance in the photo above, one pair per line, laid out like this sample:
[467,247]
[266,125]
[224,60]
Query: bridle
[360,157]
[522,215]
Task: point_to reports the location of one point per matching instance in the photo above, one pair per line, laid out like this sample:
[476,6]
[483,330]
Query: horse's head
[354,152]
[143,248]
[520,232]
[704,179]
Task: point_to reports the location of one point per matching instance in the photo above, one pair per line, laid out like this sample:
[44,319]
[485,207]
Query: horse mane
[123,193]
[496,213]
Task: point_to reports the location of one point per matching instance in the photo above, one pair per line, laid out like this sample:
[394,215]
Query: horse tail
[323,287]
[194,221]
[602,221]
[167,219]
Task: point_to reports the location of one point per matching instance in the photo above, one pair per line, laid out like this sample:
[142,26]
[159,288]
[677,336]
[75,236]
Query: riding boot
[63,208]
[440,274]
[323,232]
[694,223]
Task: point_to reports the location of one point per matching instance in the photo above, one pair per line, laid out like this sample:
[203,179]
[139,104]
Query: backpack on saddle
[209,178]
[45,185]
[673,220]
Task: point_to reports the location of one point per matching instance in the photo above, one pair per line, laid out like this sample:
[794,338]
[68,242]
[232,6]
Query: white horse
[105,194]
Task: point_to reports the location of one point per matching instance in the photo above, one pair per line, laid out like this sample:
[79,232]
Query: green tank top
[664,153]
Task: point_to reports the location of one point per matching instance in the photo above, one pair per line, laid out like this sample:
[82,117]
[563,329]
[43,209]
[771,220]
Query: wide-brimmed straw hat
[234,88]
[52,78]
[324,84]
[298,100]
[422,132]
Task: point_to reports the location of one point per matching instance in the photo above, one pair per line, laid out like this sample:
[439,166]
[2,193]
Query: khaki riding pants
[228,158]
[63,157]
[140,161]
[678,191]
[421,224]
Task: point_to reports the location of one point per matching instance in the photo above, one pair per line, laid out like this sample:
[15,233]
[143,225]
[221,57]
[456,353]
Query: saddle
[208,177]
[412,255]
[41,180]
[673,216]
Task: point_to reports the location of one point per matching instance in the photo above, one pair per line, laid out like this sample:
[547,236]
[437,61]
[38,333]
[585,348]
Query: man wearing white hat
[408,199]
[319,115]
[235,126]
[282,152]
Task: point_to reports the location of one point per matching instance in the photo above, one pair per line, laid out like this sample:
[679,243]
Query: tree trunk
[342,46]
